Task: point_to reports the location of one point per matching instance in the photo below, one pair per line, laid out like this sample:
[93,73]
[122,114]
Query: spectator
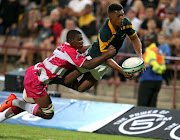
[29,17]
[69,25]
[151,79]
[131,15]
[154,2]
[151,28]
[51,6]
[171,27]
[138,5]
[101,13]
[78,8]
[87,22]
[164,47]
[9,13]
[163,6]
[82,10]
[44,40]
[56,26]
[63,10]
[149,14]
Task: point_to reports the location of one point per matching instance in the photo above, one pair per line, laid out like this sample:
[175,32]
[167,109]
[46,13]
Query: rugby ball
[133,65]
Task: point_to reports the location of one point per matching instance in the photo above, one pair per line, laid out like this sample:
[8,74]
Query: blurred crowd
[45,23]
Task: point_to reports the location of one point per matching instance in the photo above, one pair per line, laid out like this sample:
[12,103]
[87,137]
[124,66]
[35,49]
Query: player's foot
[8,103]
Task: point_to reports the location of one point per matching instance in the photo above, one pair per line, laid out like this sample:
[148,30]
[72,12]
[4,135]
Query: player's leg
[46,108]
[41,107]
[71,77]
[68,78]
[9,112]
[85,83]
[90,77]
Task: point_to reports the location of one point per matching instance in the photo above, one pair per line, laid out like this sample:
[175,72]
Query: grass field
[21,132]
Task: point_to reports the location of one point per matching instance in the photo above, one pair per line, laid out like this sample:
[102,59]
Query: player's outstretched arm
[90,64]
[137,45]
[111,63]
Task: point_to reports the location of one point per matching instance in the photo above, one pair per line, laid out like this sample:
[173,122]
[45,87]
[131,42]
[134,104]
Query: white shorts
[97,72]
[27,99]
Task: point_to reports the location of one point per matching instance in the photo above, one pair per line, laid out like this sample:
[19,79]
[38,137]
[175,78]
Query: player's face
[77,42]
[116,18]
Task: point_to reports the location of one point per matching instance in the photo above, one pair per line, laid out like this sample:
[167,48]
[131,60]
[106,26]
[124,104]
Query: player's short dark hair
[72,34]
[114,7]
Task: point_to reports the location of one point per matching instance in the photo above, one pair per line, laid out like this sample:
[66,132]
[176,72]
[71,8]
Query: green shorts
[97,72]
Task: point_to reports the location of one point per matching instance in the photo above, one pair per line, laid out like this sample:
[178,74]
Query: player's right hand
[111,51]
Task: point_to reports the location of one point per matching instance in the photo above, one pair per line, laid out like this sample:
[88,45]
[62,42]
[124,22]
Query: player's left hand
[128,75]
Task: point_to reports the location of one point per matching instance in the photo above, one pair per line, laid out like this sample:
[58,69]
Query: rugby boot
[8,103]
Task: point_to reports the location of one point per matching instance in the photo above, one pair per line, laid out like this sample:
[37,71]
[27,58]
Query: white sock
[8,113]
[31,108]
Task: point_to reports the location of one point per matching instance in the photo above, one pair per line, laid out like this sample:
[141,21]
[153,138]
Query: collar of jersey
[69,45]
[113,31]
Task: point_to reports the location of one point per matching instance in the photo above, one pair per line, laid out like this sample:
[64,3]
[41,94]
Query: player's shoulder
[65,47]
[126,21]
[105,29]
[105,26]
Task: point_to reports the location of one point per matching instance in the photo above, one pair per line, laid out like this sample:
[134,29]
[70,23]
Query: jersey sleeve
[129,28]
[75,58]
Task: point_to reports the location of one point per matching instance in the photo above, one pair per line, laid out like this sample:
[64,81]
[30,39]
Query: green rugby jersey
[107,36]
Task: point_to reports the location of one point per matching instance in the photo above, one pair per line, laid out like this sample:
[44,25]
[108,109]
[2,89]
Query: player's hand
[111,51]
[143,69]
[128,75]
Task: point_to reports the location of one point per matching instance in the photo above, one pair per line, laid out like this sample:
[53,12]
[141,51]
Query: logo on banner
[174,130]
[142,122]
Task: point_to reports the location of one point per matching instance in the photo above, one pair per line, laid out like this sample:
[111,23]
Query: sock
[8,113]
[30,108]
[15,110]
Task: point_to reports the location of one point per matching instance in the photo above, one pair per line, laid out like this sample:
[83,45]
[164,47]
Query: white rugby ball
[133,65]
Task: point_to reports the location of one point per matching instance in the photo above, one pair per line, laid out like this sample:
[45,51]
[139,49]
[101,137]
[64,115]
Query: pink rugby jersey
[64,57]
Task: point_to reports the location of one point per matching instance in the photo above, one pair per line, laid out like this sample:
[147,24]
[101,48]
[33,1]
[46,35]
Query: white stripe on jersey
[50,66]
[63,56]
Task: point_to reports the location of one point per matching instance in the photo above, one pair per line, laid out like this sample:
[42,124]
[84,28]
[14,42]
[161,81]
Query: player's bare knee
[81,89]
[48,112]
[48,116]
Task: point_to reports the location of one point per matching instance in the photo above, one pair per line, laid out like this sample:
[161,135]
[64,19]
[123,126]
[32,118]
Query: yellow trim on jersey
[103,45]
[132,35]
[113,31]
[127,27]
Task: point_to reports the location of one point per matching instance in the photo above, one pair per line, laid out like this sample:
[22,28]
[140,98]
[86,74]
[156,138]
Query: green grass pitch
[21,132]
